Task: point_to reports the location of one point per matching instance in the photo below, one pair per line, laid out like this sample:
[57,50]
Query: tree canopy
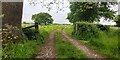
[90,11]
[42,18]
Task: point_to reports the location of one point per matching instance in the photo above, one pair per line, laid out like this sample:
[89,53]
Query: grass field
[106,45]
[65,49]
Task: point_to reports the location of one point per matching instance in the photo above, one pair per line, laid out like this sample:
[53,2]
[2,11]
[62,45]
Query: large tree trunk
[12,13]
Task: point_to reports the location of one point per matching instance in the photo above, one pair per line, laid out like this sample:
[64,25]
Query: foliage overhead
[90,11]
[43,18]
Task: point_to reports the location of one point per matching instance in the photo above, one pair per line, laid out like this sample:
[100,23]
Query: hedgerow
[88,31]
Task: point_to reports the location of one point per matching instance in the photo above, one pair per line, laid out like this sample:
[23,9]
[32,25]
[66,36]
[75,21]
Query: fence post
[36,26]
[36,30]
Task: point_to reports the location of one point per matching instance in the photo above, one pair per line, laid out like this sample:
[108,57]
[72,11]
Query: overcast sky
[60,17]
[29,10]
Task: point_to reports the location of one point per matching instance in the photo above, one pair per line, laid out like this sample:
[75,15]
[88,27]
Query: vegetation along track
[90,53]
[48,50]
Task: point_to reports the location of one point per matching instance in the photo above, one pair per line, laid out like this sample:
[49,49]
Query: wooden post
[76,27]
[36,27]
[36,30]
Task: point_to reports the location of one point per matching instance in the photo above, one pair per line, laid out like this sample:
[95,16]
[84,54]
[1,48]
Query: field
[106,45]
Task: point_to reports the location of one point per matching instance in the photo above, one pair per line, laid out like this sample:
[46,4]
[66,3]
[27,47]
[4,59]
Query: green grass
[25,49]
[69,29]
[45,30]
[106,44]
[115,27]
[26,25]
[28,48]
[49,28]
[65,49]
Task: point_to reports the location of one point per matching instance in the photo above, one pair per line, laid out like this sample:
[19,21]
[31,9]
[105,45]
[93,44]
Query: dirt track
[48,50]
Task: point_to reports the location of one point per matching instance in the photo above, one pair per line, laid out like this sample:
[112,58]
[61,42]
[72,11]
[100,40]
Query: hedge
[88,31]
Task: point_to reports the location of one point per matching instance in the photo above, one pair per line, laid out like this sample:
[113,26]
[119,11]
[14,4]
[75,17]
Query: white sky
[60,17]
[29,10]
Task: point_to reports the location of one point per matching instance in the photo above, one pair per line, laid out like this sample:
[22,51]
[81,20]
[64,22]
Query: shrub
[24,48]
[11,34]
[30,34]
[85,31]
[103,27]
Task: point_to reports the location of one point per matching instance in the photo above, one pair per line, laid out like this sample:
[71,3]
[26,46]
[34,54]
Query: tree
[90,11]
[12,12]
[117,20]
[42,18]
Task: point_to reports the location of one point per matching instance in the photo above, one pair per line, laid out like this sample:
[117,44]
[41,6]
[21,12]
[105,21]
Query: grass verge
[28,48]
[65,49]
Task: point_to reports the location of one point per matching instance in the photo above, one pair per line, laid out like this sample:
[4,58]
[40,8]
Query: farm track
[48,50]
[89,52]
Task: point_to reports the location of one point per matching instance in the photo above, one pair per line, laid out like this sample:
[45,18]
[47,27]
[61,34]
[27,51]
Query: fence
[36,27]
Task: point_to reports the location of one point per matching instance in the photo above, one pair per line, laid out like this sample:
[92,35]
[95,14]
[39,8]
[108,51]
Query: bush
[103,27]
[85,31]
[11,34]
[22,49]
[30,33]
[88,31]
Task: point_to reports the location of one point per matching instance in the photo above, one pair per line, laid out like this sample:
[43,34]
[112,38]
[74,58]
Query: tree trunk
[12,13]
